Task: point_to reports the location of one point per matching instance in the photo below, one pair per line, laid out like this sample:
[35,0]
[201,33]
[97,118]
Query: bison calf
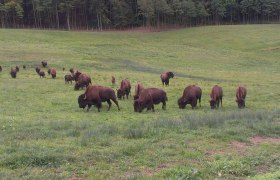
[216,97]
[37,69]
[240,96]
[190,96]
[68,78]
[165,77]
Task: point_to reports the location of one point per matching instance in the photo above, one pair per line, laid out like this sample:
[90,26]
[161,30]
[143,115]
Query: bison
[124,89]
[138,89]
[83,81]
[190,96]
[13,72]
[240,96]
[148,98]
[17,68]
[71,70]
[52,72]
[216,96]
[95,95]
[44,63]
[165,77]
[76,75]
[37,69]
[68,78]
[41,74]
[113,80]
[0,68]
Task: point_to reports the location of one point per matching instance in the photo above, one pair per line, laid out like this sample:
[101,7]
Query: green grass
[45,135]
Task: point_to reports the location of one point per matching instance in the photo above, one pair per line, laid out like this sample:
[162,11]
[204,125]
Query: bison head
[138,106]
[212,104]
[120,93]
[77,86]
[240,103]
[182,103]
[170,74]
[82,101]
[17,68]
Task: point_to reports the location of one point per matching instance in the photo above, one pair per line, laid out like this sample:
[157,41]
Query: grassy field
[44,134]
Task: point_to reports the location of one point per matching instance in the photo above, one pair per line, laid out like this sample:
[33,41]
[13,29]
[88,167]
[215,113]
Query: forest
[123,14]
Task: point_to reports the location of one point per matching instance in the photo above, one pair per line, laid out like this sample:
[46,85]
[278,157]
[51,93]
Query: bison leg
[221,102]
[163,105]
[199,99]
[116,102]
[98,105]
[89,106]
[109,103]
[153,108]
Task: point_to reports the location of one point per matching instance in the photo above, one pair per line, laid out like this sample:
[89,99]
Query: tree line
[120,14]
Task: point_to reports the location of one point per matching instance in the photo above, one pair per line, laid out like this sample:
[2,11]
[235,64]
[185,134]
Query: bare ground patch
[260,140]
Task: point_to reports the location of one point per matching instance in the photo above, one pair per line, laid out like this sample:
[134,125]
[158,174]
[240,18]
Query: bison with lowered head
[138,90]
[68,78]
[148,98]
[190,96]
[95,95]
[83,81]
[13,72]
[216,97]
[124,90]
[44,63]
[240,96]
[165,77]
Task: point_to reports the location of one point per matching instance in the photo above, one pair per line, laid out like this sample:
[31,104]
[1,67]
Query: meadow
[45,135]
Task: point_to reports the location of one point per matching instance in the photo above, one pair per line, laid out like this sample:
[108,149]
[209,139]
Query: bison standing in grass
[113,80]
[190,96]
[52,72]
[216,97]
[37,69]
[41,74]
[13,72]
[68,78]
[240,96]
[124,90]
[165,77]
[148,98]
[95,95]
[83,81]
[17,68]
[44,63]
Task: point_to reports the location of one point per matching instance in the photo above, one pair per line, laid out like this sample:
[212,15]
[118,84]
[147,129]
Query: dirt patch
[240,147]
[260,140]
[271,49]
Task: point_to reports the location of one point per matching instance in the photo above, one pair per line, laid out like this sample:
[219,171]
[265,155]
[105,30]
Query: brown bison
[240,96]
[17,68]
[95,95]
[13,72]
[52,72]
[138,89]
[113,80]
[37,69]
[41,74]
[148,98]
[83,81]
[71,70]
[24,67]
[216,96]
[76,75]
[190,96]
[44,63]
[68,78]
[0,68]
[124,89]
[165,77]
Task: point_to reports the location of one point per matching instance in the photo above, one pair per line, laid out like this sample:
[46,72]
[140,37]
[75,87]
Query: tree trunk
[68,19]
[56,16]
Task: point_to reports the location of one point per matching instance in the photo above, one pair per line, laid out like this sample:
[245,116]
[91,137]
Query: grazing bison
[41,74]
[165,77]
[95,95]
[216,96]
[148,97]
[24,67]
[0,68]
[37,69]
[68,78]
[240,96]
[13,72]
[52,72]
[83,81]
[190,96]
[17,68]
[124,89]
[44,63]
[113,80]
[138,89]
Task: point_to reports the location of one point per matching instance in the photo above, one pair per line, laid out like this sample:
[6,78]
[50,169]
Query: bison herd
[144,98]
